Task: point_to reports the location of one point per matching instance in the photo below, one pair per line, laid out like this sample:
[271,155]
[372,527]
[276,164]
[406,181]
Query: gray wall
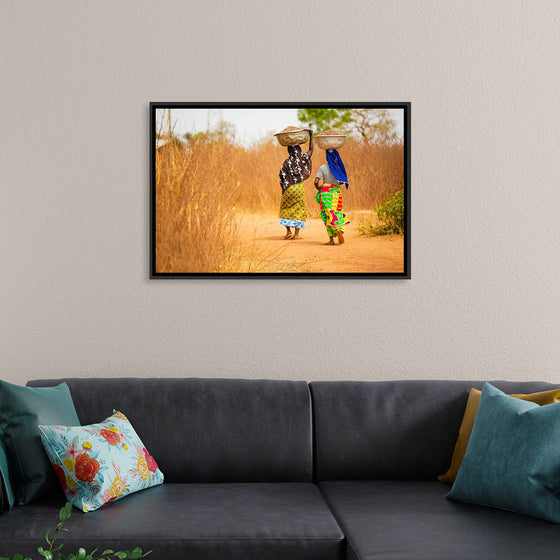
[483,79]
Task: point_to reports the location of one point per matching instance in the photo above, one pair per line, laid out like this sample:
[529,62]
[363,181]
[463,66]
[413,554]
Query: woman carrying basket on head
[329,196]
[293,205]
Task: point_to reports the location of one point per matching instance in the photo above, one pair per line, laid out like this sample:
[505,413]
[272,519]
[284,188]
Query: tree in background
[374,125]
[370,125]
[320,119]
[221,131]
[224,131]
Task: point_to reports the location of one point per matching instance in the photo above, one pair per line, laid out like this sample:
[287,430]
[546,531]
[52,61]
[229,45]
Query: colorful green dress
[329,199]
[293,206]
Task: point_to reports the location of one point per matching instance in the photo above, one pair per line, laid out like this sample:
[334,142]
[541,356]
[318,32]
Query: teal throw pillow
[513,457]
[21,410]
[6,489]
[99,463]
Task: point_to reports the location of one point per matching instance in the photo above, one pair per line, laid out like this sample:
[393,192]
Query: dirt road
[310,253]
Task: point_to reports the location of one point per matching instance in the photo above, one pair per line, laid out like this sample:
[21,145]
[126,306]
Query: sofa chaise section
[412,520]
[379,449]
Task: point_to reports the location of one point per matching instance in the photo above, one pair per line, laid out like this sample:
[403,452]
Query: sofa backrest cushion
[400,430]
[208,430]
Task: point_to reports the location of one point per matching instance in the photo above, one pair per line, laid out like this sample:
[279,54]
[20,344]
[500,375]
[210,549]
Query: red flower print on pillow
[100,462]
[86,467]
[113,437]
[61,475]
[152,465]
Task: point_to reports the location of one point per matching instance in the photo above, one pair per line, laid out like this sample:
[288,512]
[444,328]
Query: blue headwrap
[336,166]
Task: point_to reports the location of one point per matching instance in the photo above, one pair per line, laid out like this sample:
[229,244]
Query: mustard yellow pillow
[541,398]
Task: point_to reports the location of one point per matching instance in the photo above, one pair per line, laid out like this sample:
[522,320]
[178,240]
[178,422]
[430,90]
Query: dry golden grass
[195,196]
[203,185]
[373,170]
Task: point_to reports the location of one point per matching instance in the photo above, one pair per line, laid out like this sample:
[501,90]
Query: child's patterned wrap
[100,462]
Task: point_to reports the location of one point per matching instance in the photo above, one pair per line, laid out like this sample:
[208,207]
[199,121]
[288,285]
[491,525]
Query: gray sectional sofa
[286,470]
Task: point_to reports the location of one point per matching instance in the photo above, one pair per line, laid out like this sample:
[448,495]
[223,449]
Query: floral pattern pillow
[99,463]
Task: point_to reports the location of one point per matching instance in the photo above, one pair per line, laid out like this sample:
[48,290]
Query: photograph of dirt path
[217,192]
[310,253]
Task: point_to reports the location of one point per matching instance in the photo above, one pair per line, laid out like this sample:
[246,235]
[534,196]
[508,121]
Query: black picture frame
[157,107]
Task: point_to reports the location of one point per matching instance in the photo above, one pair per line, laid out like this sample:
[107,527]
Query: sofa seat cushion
[412,520]
[192,521]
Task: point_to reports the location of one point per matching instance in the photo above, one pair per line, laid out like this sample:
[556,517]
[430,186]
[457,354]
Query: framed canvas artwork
[301,190]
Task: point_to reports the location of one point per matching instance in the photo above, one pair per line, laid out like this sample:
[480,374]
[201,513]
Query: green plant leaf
[64,514]
[390,216]
[68,508]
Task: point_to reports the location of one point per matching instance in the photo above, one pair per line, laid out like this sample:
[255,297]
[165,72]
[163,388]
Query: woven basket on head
[292,136]
[330,140]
